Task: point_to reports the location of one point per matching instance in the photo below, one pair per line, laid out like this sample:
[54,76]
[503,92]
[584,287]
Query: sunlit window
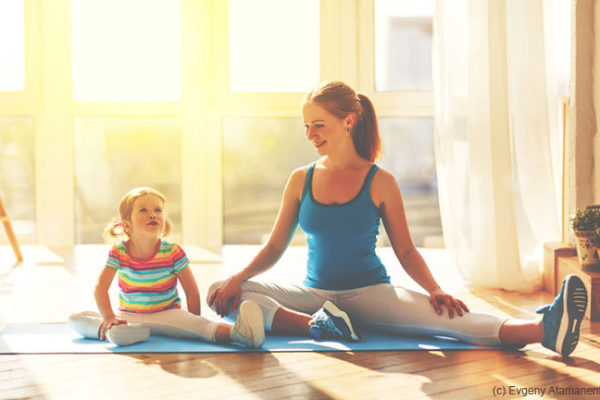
[12,46]
[273,45]
[403,40]
[113,156]
[409,156]
[259,155]
[126,50]
[17,174]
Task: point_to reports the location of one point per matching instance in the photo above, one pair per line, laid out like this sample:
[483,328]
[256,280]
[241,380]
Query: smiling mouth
[320,144]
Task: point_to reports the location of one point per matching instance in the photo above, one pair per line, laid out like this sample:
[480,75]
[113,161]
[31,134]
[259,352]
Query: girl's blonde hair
[341,100]
[114,229]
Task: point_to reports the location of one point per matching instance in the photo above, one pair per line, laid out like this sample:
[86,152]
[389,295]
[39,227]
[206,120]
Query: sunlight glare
[12,46]
[273,45]
[126,50]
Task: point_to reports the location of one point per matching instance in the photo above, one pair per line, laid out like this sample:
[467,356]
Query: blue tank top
[341,239]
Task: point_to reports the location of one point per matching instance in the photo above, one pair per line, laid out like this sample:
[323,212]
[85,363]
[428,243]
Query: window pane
[12,46]
[259,155]
[17,175]
[409,155]
[403,35]
[126,50]
[112,156]
[273,45]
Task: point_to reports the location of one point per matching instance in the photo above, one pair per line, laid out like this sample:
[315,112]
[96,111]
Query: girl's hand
[107,324]
[229,291]
[437,297]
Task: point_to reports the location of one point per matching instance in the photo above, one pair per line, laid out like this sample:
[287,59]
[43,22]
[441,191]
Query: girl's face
[326,131]
[147,217]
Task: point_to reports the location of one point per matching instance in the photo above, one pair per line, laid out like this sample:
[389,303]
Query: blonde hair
[114,229]
[339,99]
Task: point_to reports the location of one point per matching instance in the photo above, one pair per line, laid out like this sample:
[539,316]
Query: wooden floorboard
[47,291]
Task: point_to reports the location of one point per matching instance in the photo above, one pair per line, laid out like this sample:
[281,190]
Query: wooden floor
[49,285]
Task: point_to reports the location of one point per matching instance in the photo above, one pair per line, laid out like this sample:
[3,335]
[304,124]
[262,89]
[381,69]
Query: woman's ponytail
[366,131]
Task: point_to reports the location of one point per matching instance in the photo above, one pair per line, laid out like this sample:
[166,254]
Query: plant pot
[585,250]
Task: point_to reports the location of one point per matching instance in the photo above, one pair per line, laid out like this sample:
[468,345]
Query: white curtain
[496,106]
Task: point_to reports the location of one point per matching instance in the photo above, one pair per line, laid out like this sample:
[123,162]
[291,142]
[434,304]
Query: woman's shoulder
[298,176]
[300,172]
[383,176]
[383,180]
[295,185]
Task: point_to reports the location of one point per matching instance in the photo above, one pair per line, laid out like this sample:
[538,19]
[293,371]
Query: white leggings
[175,323]
[382,307]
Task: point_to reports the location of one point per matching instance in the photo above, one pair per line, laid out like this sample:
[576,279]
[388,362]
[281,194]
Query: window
[17,177]
[126,50]
[403,35]
[409,156]
[113,156]
[185,96]
[12,46]
[273,45]
[259,155]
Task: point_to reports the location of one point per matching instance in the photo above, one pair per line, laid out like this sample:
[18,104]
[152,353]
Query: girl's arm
[103,301]
[386,195]
[192,295]
[283,229]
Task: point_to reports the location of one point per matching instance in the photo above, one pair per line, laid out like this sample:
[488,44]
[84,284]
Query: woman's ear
[350,121]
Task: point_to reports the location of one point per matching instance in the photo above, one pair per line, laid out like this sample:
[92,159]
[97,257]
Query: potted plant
[585,223]
[595,241]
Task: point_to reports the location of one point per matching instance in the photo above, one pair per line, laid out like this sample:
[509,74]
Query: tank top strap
[308,181]
[369,178]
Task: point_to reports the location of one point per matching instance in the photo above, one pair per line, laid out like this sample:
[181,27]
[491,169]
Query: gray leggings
[382,307]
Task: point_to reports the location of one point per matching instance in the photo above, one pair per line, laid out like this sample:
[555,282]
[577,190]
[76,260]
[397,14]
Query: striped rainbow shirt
[148,285]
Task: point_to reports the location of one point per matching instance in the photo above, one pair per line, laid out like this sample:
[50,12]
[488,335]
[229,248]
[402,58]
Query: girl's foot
[87,324]
[125,335]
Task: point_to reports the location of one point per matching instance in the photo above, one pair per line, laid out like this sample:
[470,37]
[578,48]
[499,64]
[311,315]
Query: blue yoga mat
[59,339]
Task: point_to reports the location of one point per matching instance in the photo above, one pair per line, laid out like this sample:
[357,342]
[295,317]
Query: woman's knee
[211,290]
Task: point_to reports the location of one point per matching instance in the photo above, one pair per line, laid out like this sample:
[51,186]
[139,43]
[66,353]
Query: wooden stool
[9,232]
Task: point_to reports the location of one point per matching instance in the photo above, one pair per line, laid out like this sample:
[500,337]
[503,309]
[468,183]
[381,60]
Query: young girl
[148,271]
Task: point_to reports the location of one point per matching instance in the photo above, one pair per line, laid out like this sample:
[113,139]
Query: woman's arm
[103,301]
[386,195]
[283,230]
[190,287]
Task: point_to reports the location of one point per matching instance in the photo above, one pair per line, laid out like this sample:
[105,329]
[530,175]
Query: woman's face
[326,132]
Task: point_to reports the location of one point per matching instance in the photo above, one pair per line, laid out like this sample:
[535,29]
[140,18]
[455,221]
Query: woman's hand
[107,324]
[229,292]
[437,297]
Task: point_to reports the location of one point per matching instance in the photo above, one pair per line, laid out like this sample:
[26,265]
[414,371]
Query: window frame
[346,53]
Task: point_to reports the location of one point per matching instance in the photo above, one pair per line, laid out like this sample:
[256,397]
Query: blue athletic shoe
[563,317]
[332,323]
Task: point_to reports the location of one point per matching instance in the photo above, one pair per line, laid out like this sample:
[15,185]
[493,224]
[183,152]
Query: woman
[338,201]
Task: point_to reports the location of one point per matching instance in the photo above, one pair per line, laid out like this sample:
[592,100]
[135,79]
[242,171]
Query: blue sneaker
[563,317]
[332,323]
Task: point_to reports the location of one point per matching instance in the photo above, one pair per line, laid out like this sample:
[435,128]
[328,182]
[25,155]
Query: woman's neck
[344,160]
[142,247]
